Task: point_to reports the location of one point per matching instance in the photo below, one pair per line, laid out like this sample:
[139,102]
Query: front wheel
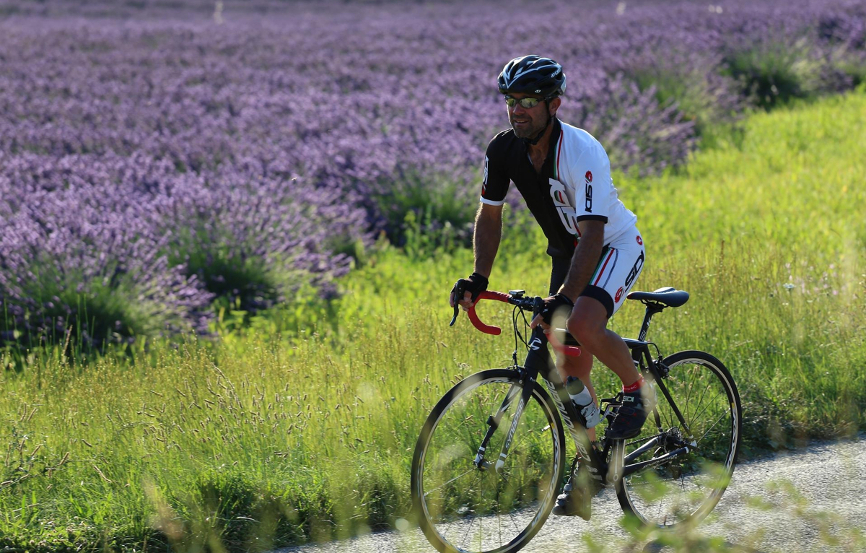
[486,503]
[679,466]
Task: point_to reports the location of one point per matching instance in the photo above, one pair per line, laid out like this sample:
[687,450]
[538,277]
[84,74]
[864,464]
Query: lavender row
[146,153]
[132,233]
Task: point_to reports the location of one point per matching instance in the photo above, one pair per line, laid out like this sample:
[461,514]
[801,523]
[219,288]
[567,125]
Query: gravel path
[831,477]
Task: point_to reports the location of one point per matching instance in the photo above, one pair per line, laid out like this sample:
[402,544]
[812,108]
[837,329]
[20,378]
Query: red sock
[634,387]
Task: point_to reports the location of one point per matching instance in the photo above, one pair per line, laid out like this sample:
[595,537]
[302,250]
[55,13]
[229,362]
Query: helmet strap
[534,141]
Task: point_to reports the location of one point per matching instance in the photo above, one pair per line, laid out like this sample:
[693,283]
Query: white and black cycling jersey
[574,184]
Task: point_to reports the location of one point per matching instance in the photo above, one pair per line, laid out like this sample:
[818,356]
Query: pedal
[609,405]
[609,412]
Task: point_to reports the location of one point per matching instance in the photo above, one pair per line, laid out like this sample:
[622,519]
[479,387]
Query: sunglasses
[526,103]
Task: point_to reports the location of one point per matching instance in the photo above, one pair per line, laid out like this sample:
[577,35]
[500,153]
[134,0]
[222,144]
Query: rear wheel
[683,469]
[497,505]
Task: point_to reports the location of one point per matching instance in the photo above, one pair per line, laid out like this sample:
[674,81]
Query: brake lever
[537,307]
[454,318]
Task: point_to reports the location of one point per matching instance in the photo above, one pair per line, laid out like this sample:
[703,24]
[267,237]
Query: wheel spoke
[718,420]
[470,471]
[700,403]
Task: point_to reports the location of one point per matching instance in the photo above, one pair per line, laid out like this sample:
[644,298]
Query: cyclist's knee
[587,330]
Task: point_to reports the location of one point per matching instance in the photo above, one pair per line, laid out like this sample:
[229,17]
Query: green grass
[301,425]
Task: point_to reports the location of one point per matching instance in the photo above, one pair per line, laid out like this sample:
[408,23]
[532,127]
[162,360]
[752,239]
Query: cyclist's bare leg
[588,324]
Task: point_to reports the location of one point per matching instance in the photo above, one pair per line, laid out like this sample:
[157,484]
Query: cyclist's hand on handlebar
[466,290]
[552,304]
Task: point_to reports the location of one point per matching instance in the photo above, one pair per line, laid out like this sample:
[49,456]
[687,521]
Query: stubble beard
[531,132]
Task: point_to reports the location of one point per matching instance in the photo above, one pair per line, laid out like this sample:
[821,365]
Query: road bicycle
[490,459]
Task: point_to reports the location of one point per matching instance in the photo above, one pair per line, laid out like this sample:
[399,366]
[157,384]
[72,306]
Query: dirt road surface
[830,476]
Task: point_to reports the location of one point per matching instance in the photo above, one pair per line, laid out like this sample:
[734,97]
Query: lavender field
[164,161]
[155,158]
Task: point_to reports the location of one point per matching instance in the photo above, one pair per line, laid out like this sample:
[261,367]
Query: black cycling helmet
[532,75]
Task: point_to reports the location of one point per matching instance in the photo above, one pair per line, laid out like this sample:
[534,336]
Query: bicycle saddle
[670,297]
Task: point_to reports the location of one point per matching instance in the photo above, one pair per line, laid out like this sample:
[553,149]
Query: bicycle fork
[524,389]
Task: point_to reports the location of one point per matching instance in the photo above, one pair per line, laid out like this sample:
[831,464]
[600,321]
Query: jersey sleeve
[593,173]
[496,179]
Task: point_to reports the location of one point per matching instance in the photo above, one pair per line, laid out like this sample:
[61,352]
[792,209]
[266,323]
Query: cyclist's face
[527,122]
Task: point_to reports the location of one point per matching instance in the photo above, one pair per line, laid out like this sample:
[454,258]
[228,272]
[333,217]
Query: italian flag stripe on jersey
[558,155]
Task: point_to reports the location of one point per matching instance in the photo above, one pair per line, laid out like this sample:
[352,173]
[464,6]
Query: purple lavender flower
[152,158]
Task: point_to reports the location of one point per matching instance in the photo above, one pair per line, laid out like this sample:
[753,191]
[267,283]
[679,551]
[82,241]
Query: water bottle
[583,399]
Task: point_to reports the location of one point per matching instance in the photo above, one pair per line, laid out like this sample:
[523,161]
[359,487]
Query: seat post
[651,309]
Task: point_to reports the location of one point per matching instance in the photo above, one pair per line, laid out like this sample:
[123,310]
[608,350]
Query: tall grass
[766,231]
[301,425]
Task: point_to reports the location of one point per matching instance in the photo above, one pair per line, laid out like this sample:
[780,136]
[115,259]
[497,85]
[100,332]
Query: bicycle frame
[538,362]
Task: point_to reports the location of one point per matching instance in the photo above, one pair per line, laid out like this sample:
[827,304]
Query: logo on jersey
[639,240]
[618,295]
[634,272]
[560,200]
[588,189]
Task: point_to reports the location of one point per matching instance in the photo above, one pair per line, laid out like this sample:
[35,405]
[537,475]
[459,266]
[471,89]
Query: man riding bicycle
[597,253]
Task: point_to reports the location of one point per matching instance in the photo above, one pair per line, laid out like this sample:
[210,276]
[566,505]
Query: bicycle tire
[689,486]
[463,508]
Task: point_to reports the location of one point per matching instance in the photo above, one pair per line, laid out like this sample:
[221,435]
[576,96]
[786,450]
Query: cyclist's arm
[585,258]
[486,238]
